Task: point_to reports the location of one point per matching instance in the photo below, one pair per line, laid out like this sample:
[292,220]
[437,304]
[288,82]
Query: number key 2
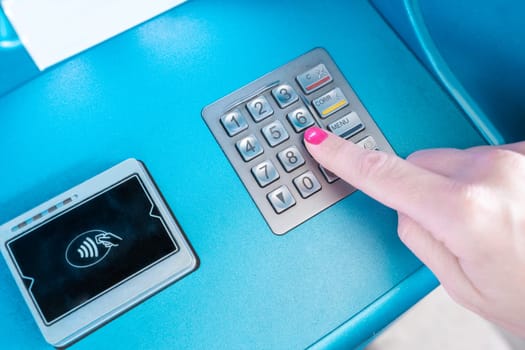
[259,108]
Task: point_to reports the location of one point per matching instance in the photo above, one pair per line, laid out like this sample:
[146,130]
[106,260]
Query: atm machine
[203,108]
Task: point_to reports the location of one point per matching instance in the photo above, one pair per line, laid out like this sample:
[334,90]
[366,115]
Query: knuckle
[470,199]
[503,157]
[404,228]
[374,164]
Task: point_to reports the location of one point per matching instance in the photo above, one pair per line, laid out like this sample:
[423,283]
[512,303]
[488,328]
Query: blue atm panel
[334,280]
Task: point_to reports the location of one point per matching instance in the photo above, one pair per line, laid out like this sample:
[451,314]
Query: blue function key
[347,126]
[249,147]
[285,95]
[300,119]
[314,79]
[330,102]
[234,122]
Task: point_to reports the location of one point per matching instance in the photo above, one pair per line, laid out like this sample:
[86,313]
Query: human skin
[461,212]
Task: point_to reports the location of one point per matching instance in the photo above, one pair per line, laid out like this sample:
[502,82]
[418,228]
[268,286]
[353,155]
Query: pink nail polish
[315,135]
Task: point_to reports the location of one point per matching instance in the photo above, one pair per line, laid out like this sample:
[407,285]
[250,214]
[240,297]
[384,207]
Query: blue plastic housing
[334,281]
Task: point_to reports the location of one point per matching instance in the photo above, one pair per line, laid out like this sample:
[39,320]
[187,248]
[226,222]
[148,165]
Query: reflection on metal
[447,77]
[8,38]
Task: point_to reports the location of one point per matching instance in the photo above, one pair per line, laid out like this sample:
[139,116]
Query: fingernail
[315,135]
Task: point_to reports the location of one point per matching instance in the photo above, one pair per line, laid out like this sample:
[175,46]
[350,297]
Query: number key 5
[275,133]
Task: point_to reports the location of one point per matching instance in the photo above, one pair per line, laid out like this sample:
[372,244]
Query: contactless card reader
[94,251]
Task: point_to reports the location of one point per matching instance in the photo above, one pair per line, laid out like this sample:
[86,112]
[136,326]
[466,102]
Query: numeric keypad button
[328,175]
[307,184]
[285,95]
[265,173]
[281,199]
[249,147]
[368,143]
[300,119]
[259,108]
[275,133]
[234,122]
[290,158]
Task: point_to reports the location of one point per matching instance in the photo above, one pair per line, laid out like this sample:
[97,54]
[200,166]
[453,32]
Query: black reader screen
[91,248]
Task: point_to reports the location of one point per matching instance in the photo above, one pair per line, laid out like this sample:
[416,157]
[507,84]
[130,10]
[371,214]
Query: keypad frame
[330,193]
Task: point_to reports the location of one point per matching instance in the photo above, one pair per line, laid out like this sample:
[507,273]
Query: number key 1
[234,122]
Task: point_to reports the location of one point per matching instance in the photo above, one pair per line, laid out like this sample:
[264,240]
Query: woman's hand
[462,212]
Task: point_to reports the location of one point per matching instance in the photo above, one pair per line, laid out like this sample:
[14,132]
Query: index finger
[425,196]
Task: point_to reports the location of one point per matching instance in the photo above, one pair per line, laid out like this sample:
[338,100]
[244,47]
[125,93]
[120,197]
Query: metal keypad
[260,129]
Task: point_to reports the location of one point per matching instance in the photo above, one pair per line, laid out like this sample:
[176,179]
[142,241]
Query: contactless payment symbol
[90,248]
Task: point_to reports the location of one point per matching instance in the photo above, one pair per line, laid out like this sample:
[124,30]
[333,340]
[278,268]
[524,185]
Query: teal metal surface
[140,95]
[476,49]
